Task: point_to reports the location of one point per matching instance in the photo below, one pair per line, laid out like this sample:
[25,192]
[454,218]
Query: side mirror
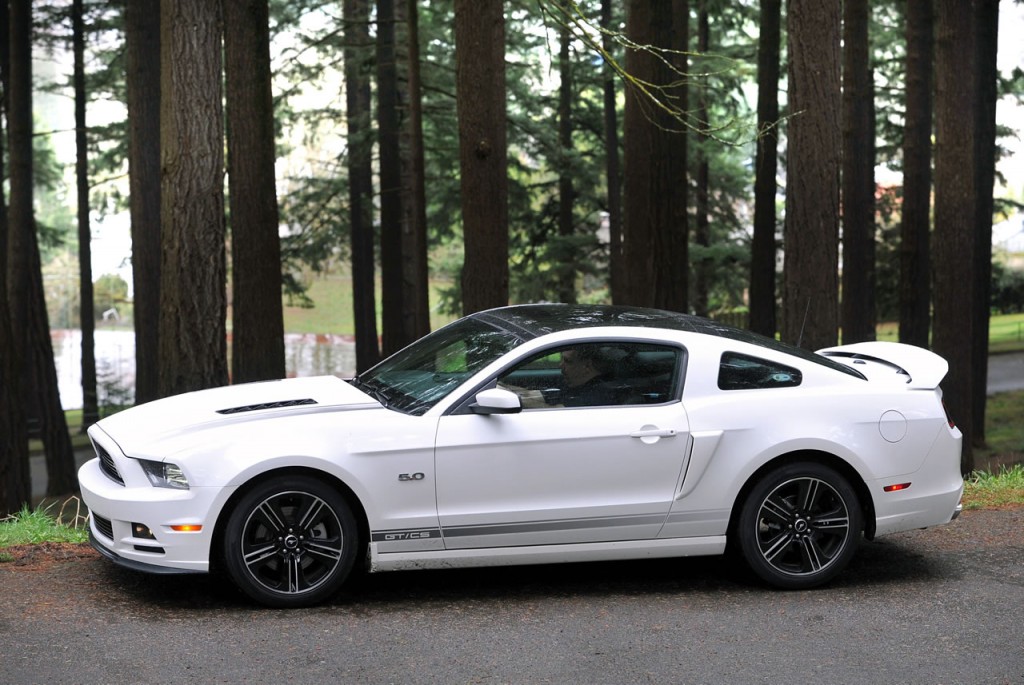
[496,401]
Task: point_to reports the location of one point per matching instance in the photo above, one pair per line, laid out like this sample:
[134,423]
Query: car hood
[167,425]
[916,367]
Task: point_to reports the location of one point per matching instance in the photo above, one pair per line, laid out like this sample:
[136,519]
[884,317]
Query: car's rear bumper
[933,494]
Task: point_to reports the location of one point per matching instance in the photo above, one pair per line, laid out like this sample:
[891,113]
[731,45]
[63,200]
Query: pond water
[305,355]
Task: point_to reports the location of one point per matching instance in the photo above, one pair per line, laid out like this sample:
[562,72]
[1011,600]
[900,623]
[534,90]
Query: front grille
[108,466]
[103,526]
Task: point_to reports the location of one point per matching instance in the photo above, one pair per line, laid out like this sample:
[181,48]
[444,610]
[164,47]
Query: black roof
[532,320]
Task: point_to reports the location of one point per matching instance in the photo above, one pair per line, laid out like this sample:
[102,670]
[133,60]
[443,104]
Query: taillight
[949,419]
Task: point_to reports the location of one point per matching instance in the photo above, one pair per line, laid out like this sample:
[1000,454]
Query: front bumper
[116,510]
[131,564]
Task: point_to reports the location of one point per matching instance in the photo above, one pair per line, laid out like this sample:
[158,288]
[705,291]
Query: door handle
[653,433]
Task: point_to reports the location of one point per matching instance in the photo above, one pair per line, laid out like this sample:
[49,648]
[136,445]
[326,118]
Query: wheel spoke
[330,553]
[776,508]
[777,545]
[813,558]
[293,566]
[833,522]
[809,488]
[259,555]
[270,516]
[315,507]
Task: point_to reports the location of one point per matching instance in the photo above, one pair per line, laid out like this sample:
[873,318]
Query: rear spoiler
[924,368]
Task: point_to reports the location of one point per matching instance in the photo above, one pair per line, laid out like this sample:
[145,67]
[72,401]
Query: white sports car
[534,434]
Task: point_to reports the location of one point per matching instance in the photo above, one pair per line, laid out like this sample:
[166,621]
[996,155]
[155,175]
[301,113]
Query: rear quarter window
[744,372]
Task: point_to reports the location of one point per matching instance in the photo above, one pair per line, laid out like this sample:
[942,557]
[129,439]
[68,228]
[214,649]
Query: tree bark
[858,177]
[414,236]
[257,314]
[955,270]
[142,80]
[655,189]
[360,182]
[762,248]
[915,230]
[986,18]
[391,211]
[566,267]
[193,348]
[15,481]
[810,291]
[33,351]
[483,153]
[616,276]
[86,314]
[702,224]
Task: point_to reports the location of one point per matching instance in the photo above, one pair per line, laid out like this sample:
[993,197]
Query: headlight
[164,475]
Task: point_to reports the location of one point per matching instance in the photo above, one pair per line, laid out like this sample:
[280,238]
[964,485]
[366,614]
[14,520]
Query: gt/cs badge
[403,477]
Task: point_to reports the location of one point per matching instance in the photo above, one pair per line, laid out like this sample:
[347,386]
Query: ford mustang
[534,434]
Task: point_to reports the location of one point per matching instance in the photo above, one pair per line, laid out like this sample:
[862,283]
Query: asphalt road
[936,606]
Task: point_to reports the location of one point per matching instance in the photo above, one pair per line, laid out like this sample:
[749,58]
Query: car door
[567,474]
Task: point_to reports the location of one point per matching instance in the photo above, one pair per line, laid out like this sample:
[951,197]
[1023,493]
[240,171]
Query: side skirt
[546,554]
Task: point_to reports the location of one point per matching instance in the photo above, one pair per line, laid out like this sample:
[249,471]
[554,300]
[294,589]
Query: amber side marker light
[187,528]
[897,487]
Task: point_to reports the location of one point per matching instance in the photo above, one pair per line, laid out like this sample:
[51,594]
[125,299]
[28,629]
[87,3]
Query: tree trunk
[762,248]
[193,351]
[655,226]
[15,481]
[415,277]
[810,291]
[86,315]
[616,276]
[566,267]
[915,276]
[36,376]
[257,314]
[60,456]
[142,79]
[483,161]
[360,182]
[986,16]
[702,225]
[955,272]
[858,178]
[391,211]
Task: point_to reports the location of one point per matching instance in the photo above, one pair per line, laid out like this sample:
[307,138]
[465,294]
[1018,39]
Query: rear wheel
[290,542]
[800,525]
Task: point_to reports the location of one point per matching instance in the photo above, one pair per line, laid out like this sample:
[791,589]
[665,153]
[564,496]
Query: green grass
[65,523]
[1005,333]
[984,490]
[332,307]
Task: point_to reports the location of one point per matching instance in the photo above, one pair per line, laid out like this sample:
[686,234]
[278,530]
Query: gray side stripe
[554,525]
[705,516]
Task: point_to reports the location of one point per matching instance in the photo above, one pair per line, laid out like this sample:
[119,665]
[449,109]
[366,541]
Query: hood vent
[267,405]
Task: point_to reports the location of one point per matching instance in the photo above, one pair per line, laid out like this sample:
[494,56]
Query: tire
[800,526]
[290,542]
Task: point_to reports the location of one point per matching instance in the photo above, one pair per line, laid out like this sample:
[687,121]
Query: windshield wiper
[375,391]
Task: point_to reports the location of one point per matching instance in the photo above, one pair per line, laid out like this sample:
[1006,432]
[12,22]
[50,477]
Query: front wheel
[290,542]
[800,526]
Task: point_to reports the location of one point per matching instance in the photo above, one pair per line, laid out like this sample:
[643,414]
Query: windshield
[416,378]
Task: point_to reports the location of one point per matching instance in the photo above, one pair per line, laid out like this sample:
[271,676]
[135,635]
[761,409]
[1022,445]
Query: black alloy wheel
[800,526]
[290,542]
